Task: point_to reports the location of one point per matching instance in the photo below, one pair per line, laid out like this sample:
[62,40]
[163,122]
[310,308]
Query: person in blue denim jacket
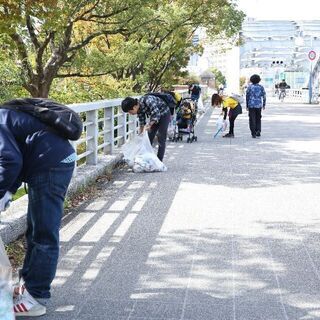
[44,160]
[256,101]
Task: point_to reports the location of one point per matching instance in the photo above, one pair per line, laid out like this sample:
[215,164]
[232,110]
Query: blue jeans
[195,97]
[46,192]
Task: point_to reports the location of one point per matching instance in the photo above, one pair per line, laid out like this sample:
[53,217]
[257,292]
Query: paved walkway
[230,231]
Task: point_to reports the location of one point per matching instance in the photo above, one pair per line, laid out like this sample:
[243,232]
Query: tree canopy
[54,45]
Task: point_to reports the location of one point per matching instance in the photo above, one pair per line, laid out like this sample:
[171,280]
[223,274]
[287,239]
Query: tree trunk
[38,90]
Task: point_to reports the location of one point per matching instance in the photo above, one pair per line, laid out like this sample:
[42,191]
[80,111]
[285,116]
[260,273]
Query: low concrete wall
[13,220]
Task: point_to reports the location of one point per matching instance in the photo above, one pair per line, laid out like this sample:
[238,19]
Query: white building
[279,50]
[219,55]
[275,49]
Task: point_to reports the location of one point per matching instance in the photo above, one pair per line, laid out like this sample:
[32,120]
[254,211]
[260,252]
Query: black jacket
[26,148]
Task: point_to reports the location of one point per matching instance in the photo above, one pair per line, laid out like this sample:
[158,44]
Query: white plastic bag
[201,108]
[6,305]
[170,131]
[140,156]
[237,97]
[5,201]
[221,125]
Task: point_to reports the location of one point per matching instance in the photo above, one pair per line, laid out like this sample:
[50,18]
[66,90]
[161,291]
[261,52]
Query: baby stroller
[186,118]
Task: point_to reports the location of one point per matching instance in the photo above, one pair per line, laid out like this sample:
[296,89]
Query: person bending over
[227,103]
[159,115]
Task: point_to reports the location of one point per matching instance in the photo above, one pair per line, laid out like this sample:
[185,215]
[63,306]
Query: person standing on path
[32,153]
[256,101]
[195,91]
[230,104]
[159,118]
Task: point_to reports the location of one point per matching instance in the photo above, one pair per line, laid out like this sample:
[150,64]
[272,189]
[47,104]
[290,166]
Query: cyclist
[282,89]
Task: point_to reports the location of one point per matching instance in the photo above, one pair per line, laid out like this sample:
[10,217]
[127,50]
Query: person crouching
[157,111]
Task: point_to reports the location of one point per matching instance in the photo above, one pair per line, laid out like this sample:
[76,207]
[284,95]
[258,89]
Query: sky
[281,9]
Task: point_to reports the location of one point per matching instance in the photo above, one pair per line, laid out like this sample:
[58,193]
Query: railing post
[108,128]
[74,145]
[124,117]
[136,126]
[112,130]
[92,131]
[132,126]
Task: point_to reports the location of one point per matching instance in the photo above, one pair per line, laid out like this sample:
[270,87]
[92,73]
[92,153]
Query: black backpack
[167,98]
[59,118]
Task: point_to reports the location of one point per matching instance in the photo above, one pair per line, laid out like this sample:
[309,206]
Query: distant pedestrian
[195,91]
[256,101]
[220,90]
[159,116]
[228,104]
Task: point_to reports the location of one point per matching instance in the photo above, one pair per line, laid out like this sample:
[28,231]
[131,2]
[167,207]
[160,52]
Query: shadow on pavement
[229,232]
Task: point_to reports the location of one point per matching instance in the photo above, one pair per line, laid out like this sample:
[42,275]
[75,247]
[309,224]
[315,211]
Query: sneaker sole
[32,313]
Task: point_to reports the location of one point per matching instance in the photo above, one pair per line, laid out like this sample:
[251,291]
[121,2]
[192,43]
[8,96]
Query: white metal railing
[295,95]
[106,128]
[292,95]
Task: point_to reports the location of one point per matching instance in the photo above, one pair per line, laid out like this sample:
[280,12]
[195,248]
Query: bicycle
[282,95]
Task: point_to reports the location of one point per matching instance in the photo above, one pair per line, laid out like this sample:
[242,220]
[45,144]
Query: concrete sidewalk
[230,231]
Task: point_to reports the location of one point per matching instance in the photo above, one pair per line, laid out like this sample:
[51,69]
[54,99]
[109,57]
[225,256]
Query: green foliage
[20,192]
[242,82]
[75,50]
[10,81]
[188,79]
[89,89]
[219,77]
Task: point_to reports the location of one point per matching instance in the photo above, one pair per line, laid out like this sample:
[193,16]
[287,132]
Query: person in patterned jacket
[159,115]
[256,101]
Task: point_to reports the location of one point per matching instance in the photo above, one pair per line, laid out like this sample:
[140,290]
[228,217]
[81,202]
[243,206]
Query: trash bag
[237,97]
[171,128]
[201,107]
[221,125]
[140,156]
[6,303]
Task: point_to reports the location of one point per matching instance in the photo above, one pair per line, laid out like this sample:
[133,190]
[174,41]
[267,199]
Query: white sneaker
[25,305]
[18,290]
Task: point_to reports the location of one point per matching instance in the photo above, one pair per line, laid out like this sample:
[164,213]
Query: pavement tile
[230,231]
[157,309]
[105,308]
[214,310]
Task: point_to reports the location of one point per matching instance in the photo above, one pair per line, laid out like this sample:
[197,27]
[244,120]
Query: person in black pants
[159,116]
[256,101]
[227,103]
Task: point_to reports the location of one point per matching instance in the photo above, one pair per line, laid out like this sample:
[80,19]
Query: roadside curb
[13,220]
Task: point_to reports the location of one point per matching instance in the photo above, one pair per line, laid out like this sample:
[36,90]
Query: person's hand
[5,201]
[263,108]
[141,130]
[148,126]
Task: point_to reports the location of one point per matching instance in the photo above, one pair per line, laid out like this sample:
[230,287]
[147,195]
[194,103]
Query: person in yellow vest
[227,103]
[176,96]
